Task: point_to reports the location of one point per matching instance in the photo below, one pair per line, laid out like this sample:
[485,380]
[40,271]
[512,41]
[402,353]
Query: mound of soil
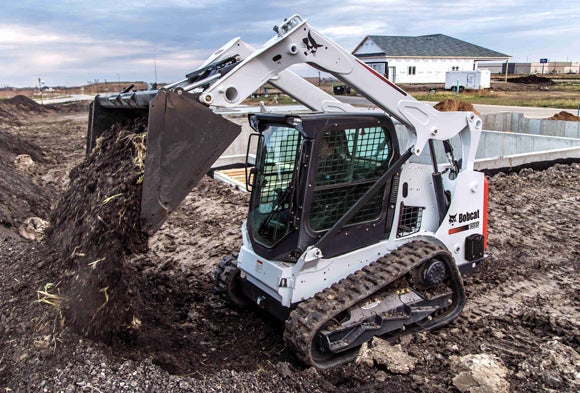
[18,108]
[94,227]
[25,104]
[451,105]
[567,116]
[531,79]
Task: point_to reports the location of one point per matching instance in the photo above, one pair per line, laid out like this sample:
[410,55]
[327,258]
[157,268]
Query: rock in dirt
[382,353]
[557,365]
[480,373]
[455,105]
[33,228]
[24,163]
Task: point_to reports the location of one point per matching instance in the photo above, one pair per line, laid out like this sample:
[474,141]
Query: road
[70,98]
[529,112]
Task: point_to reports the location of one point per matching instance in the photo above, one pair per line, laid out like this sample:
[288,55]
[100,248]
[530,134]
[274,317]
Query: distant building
[551,67]
[422,59]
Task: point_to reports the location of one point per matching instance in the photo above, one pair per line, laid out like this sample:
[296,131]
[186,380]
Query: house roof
[433,45]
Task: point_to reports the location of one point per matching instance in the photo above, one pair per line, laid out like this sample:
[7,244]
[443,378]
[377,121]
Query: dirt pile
[95,225]
[18,108]
[531,80]
[567,116]
[24,104]
[451,105]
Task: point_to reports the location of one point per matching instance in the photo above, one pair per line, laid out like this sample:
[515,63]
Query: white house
[422,59]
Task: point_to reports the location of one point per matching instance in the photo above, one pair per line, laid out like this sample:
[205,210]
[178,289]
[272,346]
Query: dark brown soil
[522,305]
[567,116]
[20,197]
[15,110]
[94,227]
[531,79]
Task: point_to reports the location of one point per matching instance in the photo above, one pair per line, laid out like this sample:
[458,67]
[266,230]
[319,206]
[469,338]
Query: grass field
[551,99]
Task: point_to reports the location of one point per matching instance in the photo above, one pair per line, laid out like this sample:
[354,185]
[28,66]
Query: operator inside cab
[332,164]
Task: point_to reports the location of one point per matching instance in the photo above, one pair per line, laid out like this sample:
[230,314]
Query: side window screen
[272,197]
[349,162]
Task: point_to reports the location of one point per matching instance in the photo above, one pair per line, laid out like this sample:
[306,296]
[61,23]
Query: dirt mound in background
[26,104]
[531,79]
[18,108]
[95,225]
[455,105]
[567,116]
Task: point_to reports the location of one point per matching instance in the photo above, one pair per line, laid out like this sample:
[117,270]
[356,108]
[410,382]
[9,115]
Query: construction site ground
[522,310]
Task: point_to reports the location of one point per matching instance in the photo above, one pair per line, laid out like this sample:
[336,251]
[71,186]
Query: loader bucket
[184,139]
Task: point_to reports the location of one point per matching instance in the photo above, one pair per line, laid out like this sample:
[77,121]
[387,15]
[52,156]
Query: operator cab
[309,171]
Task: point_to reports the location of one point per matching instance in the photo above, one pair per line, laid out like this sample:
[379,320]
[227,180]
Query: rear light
[485,197]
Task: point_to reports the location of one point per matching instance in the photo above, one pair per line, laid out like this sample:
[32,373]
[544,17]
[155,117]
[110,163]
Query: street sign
[543,61]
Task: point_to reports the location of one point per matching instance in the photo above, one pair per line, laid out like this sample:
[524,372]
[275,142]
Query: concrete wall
[516,122]
[236,152]
[537,140]
[500,144]
[498,149]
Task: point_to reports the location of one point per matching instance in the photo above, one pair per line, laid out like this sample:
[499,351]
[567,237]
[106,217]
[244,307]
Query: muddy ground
[522,308]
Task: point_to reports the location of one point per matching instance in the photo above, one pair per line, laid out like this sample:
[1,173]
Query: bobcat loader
[353,230]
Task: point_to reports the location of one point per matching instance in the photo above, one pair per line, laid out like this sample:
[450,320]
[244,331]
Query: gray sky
[71,42]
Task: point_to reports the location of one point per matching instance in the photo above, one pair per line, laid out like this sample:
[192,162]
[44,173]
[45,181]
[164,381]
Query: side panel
[465,215]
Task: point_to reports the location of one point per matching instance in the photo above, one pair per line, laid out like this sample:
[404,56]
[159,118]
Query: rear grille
[409,220]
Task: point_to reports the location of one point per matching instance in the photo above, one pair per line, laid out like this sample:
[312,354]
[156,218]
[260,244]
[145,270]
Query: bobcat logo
[453,218]
[310,45]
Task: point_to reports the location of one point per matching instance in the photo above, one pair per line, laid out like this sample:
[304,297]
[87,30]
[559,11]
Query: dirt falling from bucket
[94,227]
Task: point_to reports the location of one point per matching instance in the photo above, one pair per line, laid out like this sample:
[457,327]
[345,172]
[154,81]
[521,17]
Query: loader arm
[297,42]
[287,81]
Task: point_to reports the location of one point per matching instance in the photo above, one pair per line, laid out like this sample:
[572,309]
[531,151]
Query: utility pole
[155,66]
[506,69]
[40,90]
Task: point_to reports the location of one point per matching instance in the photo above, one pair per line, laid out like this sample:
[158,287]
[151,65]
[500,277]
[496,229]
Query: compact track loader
[353,230]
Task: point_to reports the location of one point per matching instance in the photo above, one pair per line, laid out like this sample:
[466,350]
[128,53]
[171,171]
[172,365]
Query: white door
[392,74]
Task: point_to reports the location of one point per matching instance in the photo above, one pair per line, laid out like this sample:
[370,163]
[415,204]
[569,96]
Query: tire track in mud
[515,297]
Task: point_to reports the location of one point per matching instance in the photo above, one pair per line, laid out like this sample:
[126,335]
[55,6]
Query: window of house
[412,70]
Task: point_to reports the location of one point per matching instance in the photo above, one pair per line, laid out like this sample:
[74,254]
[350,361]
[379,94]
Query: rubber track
[227,281]
[311,315]
[222,271]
